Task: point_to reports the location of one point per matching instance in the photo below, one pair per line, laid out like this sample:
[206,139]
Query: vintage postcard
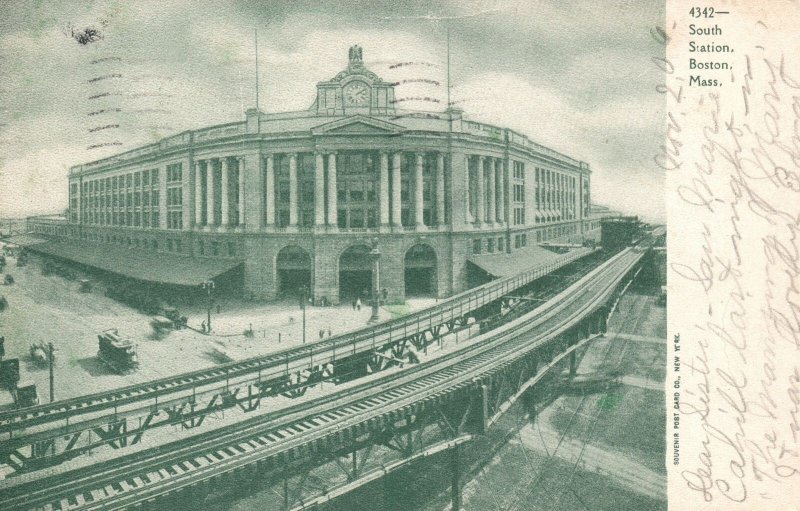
[401,256]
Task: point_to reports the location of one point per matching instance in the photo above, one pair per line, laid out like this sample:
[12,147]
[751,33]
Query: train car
[9,373]
[118,352]
[25,395]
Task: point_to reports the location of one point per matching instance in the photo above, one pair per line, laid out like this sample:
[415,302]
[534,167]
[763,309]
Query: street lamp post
[375,256]
[51,360]
[209,287]
[303,299]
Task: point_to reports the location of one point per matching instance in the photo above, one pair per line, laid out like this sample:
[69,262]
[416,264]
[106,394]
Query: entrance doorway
[420,271]
[355,274]
[293,271]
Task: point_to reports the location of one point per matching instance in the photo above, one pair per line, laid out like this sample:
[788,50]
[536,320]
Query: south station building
[281,201]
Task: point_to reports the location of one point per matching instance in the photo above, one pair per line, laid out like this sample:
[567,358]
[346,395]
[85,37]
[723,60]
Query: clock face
[356,93]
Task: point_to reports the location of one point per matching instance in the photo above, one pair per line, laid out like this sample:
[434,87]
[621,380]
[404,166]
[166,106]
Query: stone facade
[431,188]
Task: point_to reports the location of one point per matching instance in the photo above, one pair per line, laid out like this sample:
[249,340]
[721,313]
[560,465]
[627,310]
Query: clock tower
[355,91]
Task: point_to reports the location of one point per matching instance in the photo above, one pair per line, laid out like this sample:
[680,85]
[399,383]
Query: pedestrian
[329,332]
[321,333]
[354,304]
[203,326]
[217,308]
[358,303]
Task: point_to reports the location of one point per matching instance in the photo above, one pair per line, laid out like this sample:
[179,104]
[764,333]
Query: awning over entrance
[24,240]
[503,264]
[139,264]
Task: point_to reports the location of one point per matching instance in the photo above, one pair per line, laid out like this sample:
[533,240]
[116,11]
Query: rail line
[362,340]
[144,476]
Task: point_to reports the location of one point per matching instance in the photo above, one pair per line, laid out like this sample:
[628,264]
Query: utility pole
[256,37]
[303,298]
[51,358]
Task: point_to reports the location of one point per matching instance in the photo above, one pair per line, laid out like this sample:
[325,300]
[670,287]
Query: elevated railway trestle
[53,433]
[404,415]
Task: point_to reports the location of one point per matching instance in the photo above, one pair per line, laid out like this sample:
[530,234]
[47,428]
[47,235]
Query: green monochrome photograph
[393,256]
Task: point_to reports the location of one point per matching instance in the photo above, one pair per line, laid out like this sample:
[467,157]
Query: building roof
[24,240]
[352,113]
[139,264]
[503,264]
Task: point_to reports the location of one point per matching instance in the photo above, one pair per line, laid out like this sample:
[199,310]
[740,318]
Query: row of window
[556,232]
[492,245]
[129,200]
[216,248]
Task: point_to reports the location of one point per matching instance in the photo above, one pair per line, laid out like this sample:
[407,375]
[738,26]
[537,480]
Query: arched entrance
[355,273]
[420,271]
[293,270]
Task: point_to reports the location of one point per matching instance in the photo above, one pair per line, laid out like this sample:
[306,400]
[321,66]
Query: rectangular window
[341,218]
[476,246]
[174,172]
[490,245]
[357,218]
[501,244]
[283,191]
[404,186]
[356,191]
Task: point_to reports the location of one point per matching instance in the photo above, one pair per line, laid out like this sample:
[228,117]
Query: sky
[80,81]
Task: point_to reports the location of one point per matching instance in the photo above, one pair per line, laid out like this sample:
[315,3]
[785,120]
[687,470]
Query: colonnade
[204,210]
[326,207]
[489,188]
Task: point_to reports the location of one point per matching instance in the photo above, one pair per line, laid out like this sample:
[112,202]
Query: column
[293,189]
[240,175]
[419,205]
[492,191]
[162,197]
[501,188]
[198,193]
[480,196]
[224,191]
[396,210]
[383,196]
[269,189]
[319,190]
[440,189]
[332,198]
[210,192]
[467,193]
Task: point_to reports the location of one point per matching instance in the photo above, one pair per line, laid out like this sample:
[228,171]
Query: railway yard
[286,409]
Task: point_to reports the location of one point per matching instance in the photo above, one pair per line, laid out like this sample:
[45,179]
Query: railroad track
[147,475]
[365,339]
